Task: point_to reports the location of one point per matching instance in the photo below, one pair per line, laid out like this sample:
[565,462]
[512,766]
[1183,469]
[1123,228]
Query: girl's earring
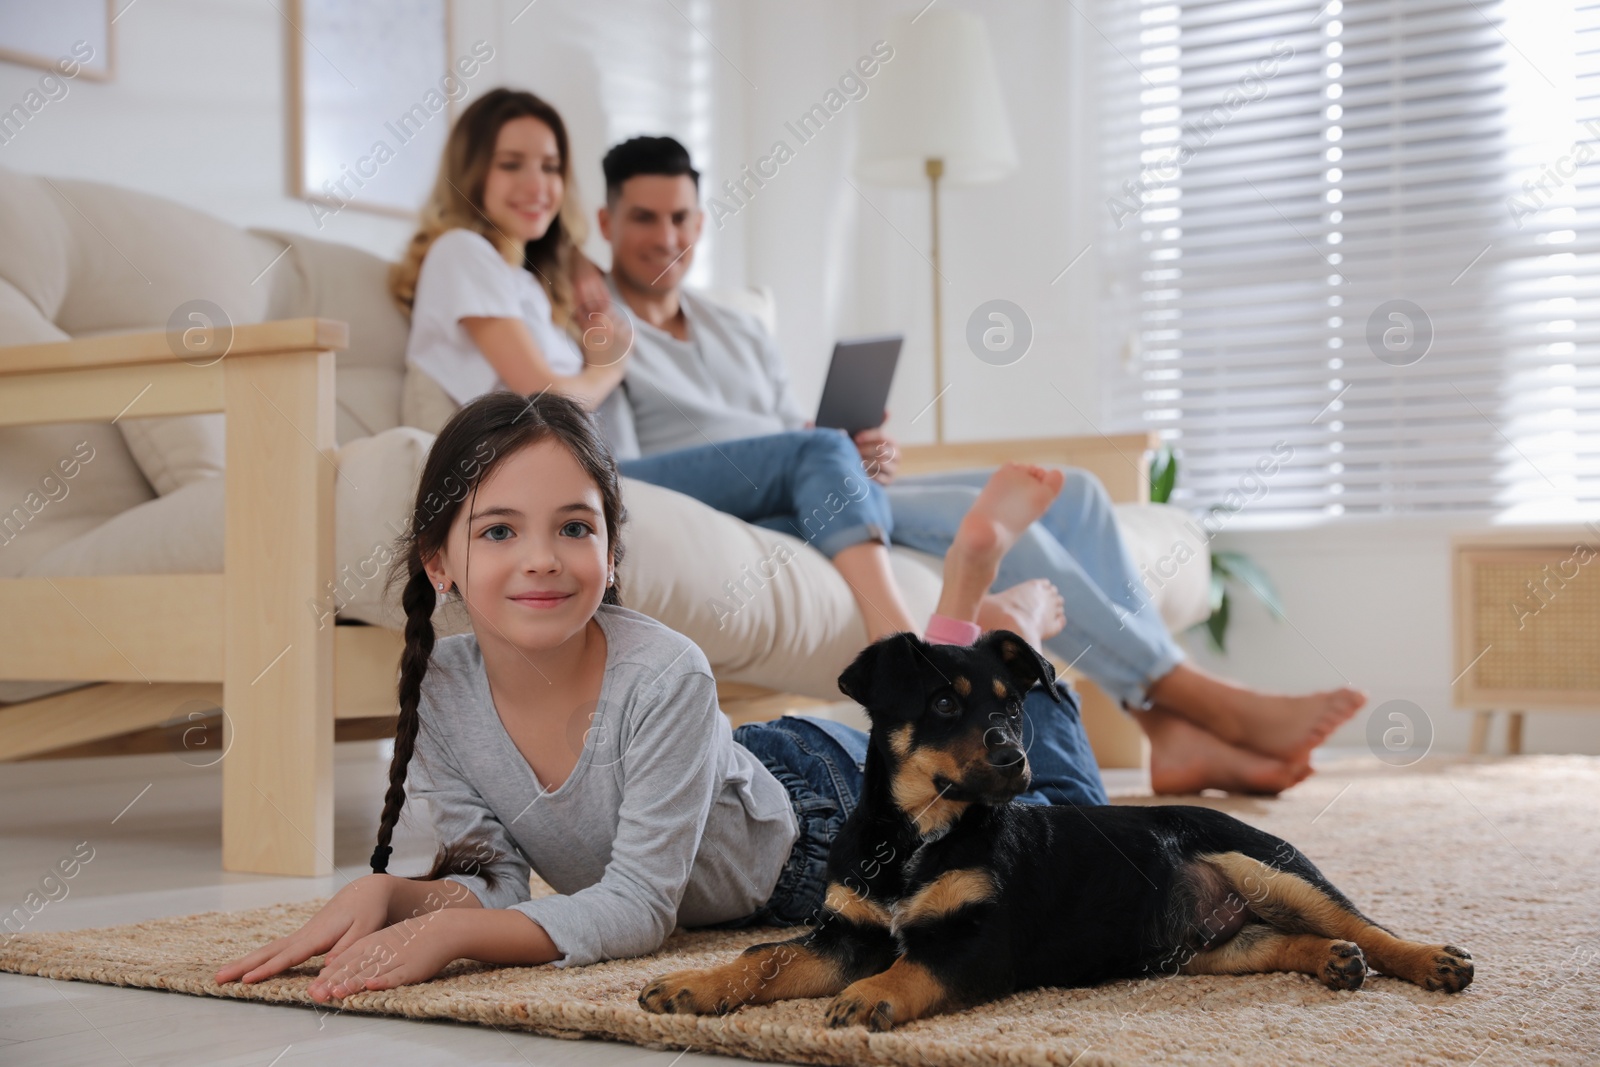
[611,578]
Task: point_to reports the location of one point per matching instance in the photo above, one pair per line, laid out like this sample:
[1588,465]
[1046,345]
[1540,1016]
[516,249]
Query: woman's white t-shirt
[464,276]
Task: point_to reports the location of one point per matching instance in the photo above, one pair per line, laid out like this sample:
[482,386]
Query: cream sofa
[119,568]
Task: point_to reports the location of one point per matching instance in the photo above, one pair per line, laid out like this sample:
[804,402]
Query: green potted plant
[1229,570]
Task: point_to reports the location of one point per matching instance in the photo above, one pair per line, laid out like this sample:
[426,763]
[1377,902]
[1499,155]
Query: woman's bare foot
[1184,759]
[1034,609]
[1282,727]
[1014,498]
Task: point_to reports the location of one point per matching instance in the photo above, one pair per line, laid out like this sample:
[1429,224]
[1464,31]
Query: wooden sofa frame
[243,639]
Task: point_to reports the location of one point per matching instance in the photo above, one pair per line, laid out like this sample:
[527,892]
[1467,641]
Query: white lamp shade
[938,97]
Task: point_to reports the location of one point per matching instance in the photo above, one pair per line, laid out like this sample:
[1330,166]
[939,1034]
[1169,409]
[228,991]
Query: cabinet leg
[1480,732]
[1514,733]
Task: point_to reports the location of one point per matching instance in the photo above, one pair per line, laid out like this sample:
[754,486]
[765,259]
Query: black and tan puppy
[943,894]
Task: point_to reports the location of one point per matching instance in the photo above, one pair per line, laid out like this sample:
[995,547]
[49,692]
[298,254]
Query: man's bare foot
[1283,727]
[1291,726]
[1184,759]
[1034,609]
[1014,498]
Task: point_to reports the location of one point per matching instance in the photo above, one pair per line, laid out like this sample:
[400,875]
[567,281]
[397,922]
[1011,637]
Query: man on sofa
[702,372]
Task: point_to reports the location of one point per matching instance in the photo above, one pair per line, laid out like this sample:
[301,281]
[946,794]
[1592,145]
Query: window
[1352,251]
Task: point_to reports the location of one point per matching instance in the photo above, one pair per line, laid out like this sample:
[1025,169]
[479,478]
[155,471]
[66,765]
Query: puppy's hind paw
[1451,970]
[1346,966]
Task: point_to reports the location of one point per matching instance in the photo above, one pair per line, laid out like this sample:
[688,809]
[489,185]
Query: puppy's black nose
[1006,758]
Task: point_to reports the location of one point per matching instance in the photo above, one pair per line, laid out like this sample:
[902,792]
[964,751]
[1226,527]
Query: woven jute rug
[1501,857]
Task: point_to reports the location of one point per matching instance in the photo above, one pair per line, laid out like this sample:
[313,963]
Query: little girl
[578,738]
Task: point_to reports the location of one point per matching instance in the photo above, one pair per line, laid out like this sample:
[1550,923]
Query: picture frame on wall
[73,38]
[369,103]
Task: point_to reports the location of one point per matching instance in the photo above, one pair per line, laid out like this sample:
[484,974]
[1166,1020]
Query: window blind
[1351,254]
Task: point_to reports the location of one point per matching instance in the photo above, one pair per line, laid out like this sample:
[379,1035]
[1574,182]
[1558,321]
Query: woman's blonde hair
[457,201]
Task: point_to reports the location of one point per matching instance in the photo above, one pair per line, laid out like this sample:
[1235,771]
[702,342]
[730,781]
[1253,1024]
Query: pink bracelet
[943,630]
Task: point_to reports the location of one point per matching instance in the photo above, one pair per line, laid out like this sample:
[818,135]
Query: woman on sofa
[488,282]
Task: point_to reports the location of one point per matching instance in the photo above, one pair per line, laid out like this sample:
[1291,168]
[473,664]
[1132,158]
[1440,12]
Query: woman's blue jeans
[807,483]
[821,764]
[1114,634]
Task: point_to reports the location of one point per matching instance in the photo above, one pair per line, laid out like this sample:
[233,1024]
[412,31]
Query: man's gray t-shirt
[726,382]
[665,820]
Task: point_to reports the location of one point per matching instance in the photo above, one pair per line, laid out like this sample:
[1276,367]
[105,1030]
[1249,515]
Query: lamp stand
[935,171]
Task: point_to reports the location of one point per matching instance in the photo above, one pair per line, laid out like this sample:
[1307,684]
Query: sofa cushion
[765,607]
[57,481]
[181,533]
[173,451]
[310,279]
[95,258]
[135,259]
[61,482]
[33,257]
[336,281]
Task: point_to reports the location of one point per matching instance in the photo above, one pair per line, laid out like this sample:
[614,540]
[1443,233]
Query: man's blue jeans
[1113,633]
[806,483]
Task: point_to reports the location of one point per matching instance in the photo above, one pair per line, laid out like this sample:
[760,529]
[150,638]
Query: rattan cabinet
[1527,624]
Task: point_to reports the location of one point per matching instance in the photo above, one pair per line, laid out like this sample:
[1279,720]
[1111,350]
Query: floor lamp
[935,115]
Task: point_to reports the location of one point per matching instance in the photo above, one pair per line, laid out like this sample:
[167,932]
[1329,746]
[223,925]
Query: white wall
[197,112]
[198,109]
[853,260]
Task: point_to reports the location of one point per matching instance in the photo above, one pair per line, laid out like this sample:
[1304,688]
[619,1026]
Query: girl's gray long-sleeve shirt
[664,821]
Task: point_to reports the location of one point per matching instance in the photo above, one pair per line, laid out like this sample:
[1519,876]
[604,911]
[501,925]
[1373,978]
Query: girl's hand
[410,951]
[354,912]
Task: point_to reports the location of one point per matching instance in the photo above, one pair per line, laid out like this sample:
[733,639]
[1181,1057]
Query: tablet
[857,389]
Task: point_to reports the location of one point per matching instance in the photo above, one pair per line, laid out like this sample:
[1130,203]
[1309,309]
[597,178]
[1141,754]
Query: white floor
[154,823]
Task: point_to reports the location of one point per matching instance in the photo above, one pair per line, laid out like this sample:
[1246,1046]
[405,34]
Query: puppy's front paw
[688,993]
[1346,966]
[1451,970]
[851,1009]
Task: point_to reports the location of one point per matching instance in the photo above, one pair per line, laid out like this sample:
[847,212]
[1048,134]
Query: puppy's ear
[1022,660]
[881,670]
